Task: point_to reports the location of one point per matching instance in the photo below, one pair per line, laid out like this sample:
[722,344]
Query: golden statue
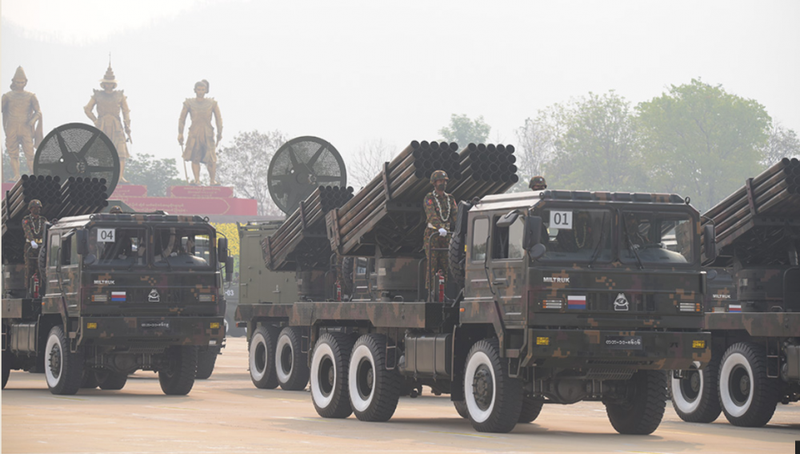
[201,146]
[22,122]
[109,103]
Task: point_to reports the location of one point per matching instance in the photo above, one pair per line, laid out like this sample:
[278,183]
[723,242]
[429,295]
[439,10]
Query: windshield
[577,235]
[117,247]
[656,238]
[183,247]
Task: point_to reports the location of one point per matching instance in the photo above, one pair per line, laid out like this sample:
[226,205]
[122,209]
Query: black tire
[373,389]
[206,359]
[748,398]
[329,390]
[457,258]
[531,407]
[110,380]
[494,400]
[291,364]
[178,378]
[261,357]
[461,408]
[6,367]
[62,369]
[695,397]
[643,409]
[88,379]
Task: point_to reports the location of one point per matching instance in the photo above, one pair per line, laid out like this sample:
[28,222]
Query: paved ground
[227,414]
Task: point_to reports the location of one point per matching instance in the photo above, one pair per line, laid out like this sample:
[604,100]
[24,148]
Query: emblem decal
[154,297]
[621,303]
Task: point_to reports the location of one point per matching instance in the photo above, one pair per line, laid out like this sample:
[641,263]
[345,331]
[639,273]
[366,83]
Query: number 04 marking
[106,235]
[561,220]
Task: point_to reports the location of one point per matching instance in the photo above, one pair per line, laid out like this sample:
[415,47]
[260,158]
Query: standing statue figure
[109,103]
[201,146]
[33,226]
[22,122]
[440,211]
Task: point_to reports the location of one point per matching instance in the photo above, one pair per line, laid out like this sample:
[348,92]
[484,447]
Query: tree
[156,174]
[782,143]
[702,141]
[245,165]
[8,174]
[464,131]
[368,163]
[537,145]
[594,145]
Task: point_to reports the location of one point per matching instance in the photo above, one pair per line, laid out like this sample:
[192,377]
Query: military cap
[115,209]
[439,175]
[34,203]
[537,183]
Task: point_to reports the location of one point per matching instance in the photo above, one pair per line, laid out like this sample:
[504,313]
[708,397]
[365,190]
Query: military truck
[114,293]
[564,296]
[752,307]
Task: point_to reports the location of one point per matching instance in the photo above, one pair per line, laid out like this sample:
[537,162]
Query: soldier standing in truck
[440,211]
[33,226]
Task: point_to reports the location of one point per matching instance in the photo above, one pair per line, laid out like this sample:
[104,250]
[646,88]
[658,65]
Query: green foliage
[245,166]
[594,144]
[702,141]
[464,131]
[157,174]
[782,143]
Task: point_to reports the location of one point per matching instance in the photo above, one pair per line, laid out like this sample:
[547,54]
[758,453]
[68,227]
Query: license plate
[624,342]
[154,325]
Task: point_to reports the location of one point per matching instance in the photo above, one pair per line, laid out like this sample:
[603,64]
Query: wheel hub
[261,358]
[55,361]
[483,387]
[740,385]
[690,385]
[286,359]
[326,377]
[366,379]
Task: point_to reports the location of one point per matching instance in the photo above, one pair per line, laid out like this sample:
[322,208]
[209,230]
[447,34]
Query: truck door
[507,270]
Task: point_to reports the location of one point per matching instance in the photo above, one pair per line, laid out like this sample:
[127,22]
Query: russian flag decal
[118,296]
[576,302]
[734,308]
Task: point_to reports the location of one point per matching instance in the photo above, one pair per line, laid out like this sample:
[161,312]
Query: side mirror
[710,242]
[538,250]
[222,250]
[82,238]
[533,233]
[508,219]
[229,269]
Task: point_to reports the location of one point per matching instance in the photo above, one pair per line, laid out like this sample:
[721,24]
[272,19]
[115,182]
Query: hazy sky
[357,71]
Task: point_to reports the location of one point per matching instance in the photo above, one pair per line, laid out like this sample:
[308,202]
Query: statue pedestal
[199,200]
[129,190]
[201,192]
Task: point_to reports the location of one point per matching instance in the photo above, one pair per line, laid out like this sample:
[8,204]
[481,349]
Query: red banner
[190,205]
[129,190]
[7,187]
[201,192]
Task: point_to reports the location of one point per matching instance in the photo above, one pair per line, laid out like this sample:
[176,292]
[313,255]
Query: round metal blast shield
[78,150]
[300,166]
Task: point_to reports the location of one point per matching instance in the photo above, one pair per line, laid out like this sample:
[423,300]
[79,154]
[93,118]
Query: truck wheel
[374,390]
[88,379]
[643,406]
[461,408]
[531,407]
[329,375]
[206,359]
[748,397]
[262,351]
[456,258]
[695,397]
[62,369]
[494,400]
[178,378]
[6,367]
[110,381]
[291,365]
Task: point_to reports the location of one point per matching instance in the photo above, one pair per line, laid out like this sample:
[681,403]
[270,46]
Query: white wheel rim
[475,361]
[322,352]
[733,409]
[258,341]
[283,342]
[360,355]
[684,404]
[52,380]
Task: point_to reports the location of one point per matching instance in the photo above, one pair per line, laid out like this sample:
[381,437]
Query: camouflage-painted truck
[559,297]
[752,307]
[119,293]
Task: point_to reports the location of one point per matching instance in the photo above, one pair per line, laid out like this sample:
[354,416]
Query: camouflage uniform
[33,226]
[440,212]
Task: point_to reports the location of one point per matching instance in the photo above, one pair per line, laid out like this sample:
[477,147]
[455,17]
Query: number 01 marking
[561,220]
[106,235]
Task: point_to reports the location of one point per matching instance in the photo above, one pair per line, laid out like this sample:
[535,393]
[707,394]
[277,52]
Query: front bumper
[661,350]
[152,331]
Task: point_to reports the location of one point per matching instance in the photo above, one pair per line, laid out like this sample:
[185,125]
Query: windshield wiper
[630,243]
[596,251]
